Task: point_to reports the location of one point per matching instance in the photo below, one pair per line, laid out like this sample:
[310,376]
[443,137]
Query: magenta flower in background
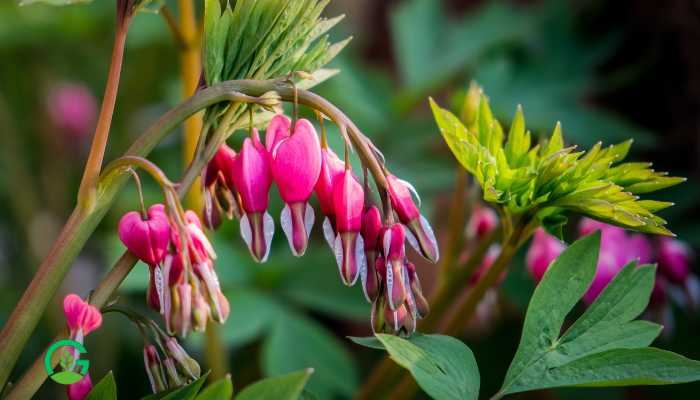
[674,260]
[482,221]
[72,109]
[543,250]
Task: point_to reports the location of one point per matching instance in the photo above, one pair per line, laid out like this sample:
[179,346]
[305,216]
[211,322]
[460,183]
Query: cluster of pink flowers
[617,249]
[183,285]
[238,184]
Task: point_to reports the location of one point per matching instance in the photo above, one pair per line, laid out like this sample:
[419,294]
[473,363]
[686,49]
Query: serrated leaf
[604,347]
[443,366]
[285,387]
[105,389]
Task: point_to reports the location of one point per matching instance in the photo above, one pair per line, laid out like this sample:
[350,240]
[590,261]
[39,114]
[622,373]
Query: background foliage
[605,78]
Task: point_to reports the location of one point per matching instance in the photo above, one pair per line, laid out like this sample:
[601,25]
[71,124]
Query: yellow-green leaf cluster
[548,179]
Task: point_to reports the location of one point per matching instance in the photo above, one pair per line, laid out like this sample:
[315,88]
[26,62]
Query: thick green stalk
[80,226]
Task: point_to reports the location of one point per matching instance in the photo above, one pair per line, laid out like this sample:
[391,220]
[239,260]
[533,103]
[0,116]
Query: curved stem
[122,164]
[87,193]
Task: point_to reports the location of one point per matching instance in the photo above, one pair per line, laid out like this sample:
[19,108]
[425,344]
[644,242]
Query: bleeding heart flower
[81,317]
[154,369]
[80,389]
[396,275]
[147,239]
[349,247]
[419,303]
[220,196]
[371,229]
[296,165]
[331,167]
[543,250]
[253,178]
[482,221]
[422,237]
[277,129]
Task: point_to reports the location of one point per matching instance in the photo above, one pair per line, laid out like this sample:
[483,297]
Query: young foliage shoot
[442,366]
[548,179]
[605,346]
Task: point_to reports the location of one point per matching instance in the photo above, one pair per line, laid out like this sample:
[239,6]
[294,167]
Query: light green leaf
[443,366]
[605,346]
[219,390]
[105,389]
[187,392]
[297,342]
[285,387]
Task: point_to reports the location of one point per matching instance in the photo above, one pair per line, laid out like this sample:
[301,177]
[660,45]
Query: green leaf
[285,387]
[369,341]
[443,366]
[187,392]
[105,389]
[605,346]
[297,342]
[219,390]
[255,313]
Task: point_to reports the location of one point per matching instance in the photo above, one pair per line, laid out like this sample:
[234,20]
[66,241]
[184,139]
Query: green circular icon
[67,361]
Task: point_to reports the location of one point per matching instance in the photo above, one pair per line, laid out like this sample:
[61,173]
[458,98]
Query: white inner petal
[246,232]
[430,235]
[268,233]
[390,284]
[309,218]
[286,222]
[360,259]
[338,247]
[158,277]
[387,244]
[412,189]
[411,238]
[328,233]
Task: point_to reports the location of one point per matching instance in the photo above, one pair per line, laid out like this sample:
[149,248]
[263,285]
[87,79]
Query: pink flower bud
[252,178]
[674,260]
[72,109]
[418,300]
[296,165]
[422,236]
[147,239]
[220,167]
[543,250]
[488,260]
[80,389]
[482,221]
[185,363]
[371,228]
[220,196]
[154,369]
[200,312]
[396,274]
[349,247]
[81,317]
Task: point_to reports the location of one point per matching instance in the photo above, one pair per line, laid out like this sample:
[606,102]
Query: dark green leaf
[285,387]
[369,341]
[105,389]
[187,392]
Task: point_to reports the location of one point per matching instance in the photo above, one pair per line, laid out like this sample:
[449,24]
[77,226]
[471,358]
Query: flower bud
[220,196]
[371,228]
[253,178]
[200,312]
[396,275]
[80,389]
[422,308]
[147,239]
[296,165]
[72,109]
[422,232]
[154,369]
[183,361]
[349,247]
[174,378]
[482,221]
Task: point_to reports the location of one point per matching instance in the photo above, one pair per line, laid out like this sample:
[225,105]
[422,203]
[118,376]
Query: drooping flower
[349,248]
[154,369]
[220,196]
[252,178]
[81,317]
[147,239]
[371,229]
[80,389]
[296,165]
[183,360]
[331,167]
[396,274]
[422,233]
[543,250]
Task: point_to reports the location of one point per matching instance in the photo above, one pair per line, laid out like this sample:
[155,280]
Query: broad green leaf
[285,387]
[605,346]
[105,389]
[443,366]
[255,313]
[296,342]
[219,390]
[187,392]
[369,341]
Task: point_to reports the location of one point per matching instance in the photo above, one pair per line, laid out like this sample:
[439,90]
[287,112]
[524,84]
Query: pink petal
[296,163]
[252,176]
[348,202]
[277,129]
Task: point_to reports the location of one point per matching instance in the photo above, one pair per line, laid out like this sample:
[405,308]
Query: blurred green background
[607,70]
